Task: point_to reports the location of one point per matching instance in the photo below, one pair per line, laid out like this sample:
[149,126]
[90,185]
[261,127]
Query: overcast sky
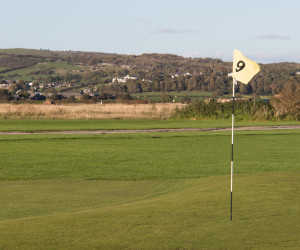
[264,30]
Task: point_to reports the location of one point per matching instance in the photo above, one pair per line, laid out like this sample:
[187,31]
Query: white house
[124,79]
[128,77]
[145,80]
[181,74]
[119,80]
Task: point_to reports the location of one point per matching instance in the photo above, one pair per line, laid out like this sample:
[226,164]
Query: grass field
[31,125]
[177,96]
[128,156]
[150,191]
[27,73]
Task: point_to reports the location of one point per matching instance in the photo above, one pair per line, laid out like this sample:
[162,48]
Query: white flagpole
[232,130]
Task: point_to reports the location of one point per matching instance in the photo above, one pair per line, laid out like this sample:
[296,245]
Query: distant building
[68,94]
[221,100]
[124,79]
[87,90]
[3,86]
[119,80]
[145,80]
[181,74]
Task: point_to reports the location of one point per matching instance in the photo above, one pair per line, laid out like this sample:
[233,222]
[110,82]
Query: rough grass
[88,111]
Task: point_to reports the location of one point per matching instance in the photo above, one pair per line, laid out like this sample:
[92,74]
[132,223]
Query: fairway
[150,190]
[34,125]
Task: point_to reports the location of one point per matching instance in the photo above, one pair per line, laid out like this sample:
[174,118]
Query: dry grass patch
[89,111]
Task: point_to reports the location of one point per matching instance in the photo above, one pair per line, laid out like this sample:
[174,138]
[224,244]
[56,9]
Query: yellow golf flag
[243,68]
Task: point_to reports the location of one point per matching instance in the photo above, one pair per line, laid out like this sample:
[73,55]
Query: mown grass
[146,156]
[266,216]
[30,198]
[150,191]
[31,125]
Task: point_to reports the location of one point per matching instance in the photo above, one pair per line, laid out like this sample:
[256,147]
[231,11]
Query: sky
[266,31]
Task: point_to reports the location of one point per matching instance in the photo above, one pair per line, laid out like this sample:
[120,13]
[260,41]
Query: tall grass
[88,111]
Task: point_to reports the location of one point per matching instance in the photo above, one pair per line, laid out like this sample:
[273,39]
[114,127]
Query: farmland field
[150,190]
[177,96]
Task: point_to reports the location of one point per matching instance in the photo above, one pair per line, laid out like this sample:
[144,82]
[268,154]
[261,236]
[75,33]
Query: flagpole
[243,70]
[232,130]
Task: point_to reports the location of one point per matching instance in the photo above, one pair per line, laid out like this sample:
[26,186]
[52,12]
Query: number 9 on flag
[243,68]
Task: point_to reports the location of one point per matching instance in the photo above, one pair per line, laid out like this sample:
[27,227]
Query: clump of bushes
[244,110]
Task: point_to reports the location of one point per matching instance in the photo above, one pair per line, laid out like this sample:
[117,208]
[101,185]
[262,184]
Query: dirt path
[122,131]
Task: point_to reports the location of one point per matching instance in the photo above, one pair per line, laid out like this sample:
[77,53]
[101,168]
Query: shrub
[244,110]
[166,98]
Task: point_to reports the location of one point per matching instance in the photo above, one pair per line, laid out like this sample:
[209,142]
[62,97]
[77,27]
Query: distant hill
[116,73]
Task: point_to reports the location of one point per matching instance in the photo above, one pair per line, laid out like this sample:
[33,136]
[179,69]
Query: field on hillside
[150,190]
[177,96]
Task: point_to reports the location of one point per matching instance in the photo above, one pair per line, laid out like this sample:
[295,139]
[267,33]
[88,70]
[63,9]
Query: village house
[87,90]
[144,80]
[124,79]
[181,74]
[40,85]
[4,86]
[54,85]
[68,94]
[222,100]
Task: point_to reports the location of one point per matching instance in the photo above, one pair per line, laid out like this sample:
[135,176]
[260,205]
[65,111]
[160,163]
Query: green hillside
[149,72]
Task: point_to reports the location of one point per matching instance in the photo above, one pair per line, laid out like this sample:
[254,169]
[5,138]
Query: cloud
[272,36]
[174,31]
